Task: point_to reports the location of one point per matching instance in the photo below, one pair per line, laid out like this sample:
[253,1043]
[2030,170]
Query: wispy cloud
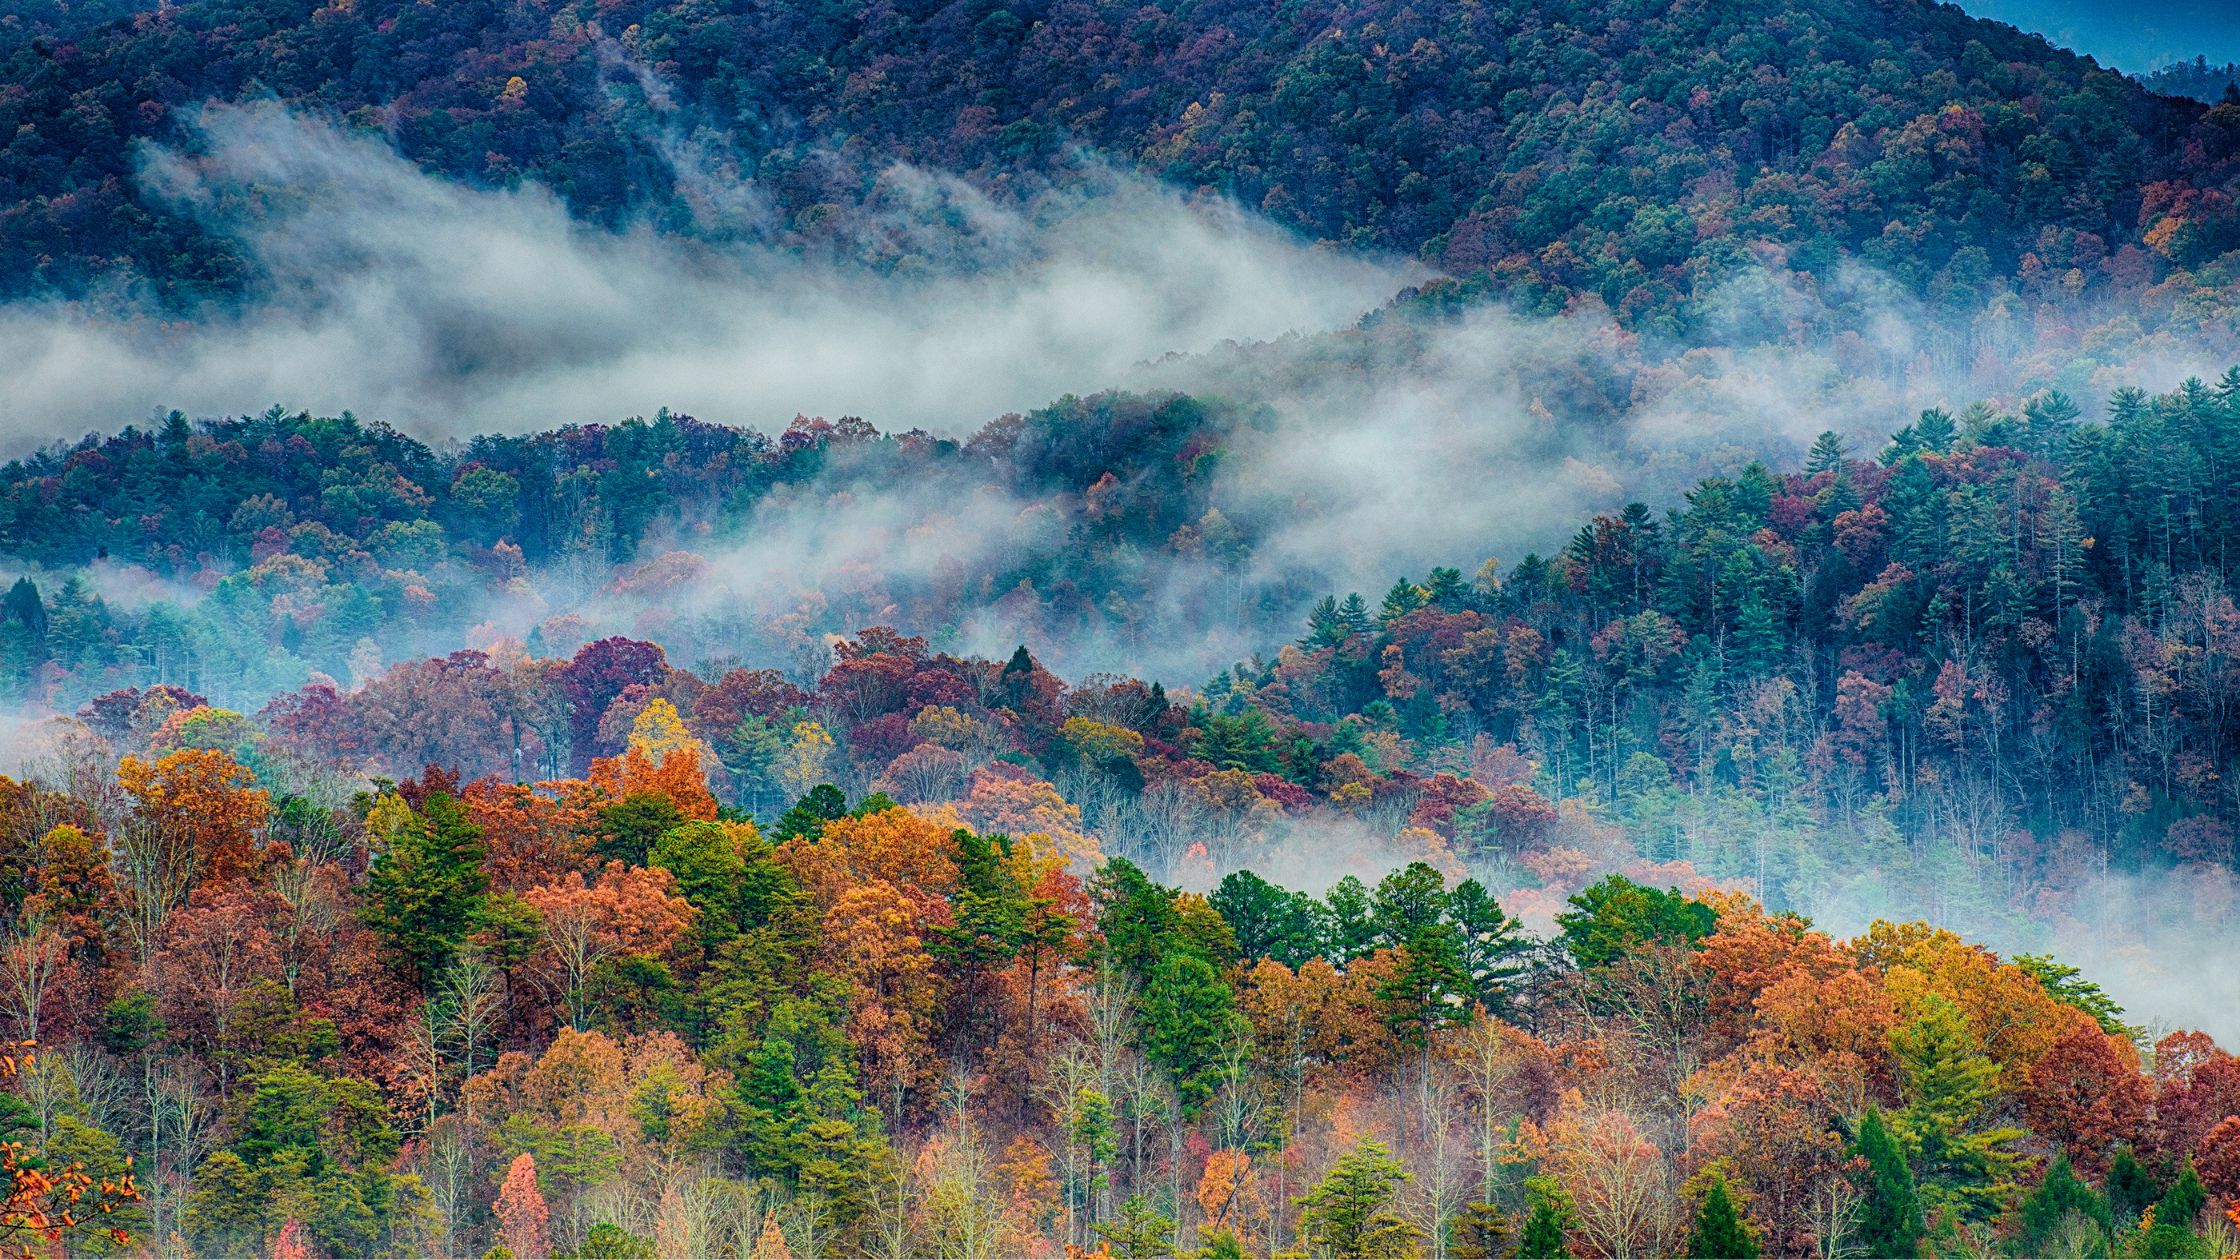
[452,310]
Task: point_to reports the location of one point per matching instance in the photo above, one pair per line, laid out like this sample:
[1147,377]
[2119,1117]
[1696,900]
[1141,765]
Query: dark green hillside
[1627,149]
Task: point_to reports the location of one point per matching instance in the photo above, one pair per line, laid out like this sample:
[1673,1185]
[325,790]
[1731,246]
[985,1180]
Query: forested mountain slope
[1469,917]
[2198,78]
[2008,641]
[1633,151]
[1150,823]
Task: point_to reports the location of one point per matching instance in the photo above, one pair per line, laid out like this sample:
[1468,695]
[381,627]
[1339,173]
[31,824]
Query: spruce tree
[1719,1233]
[2174,1217]
[1544,1229]
[425,891]
[2186,1199]
[2059,1196]
[2131,1188]
[1890,1214]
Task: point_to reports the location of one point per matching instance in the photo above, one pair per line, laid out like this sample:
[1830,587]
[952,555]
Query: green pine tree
[2131,1188]
[1827,453]
[1546,1227]
[1964,1162]
[1349,1212]
[2067,984]
[807,818]
[1489,941]
[1890,1222]
[2179,1211]
[1189,1014]
[1718,1233]
[1405,597]
[1140,1232]
[424,894]
[2060,1200]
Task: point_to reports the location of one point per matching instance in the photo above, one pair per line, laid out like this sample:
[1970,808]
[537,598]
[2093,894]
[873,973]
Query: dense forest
[1634,153]
[2004,622]
[1473,776]
[1476,920]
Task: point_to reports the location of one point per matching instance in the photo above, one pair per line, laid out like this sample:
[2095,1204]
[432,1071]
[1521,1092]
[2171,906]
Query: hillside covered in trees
[605,1013]
[1475,919]
[1449,765]
[2003,623]
[1634,153]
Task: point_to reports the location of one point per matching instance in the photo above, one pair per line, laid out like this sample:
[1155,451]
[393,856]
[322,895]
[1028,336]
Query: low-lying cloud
[450,310]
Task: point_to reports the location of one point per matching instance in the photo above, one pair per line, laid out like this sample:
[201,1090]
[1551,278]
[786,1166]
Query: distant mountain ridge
[2197,79]
[1628,150]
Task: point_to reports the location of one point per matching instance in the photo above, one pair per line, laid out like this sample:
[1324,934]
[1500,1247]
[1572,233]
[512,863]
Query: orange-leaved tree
[204,795]
[46,1205]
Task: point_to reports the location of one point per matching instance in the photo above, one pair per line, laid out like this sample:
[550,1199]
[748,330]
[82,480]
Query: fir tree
[1890,1215]
[2131,1188]
[424,893]
[2171,1236]
[2060,1196]
[1349,1212]
[1718,1233]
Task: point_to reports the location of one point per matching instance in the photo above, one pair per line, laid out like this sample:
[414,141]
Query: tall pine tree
[1718,1232]
[1890,1213]
[424,893]
[1965,1162]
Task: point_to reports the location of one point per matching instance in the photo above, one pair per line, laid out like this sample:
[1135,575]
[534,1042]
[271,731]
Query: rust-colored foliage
[204,795]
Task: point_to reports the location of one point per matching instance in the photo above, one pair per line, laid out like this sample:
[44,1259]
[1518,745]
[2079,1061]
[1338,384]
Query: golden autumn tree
[900,846]
[874,938]
[2004,1006]
[205,796]
[676,777]
[1001,804]
[806,761]
[1031,1208]
[659,730]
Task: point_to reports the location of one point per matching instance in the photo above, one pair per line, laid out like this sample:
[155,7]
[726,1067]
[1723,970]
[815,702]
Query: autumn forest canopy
[1456,630]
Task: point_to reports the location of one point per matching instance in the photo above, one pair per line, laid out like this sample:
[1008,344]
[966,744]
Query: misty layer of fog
[2142,936]
[1395,445]
[447,310]
[450,311]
